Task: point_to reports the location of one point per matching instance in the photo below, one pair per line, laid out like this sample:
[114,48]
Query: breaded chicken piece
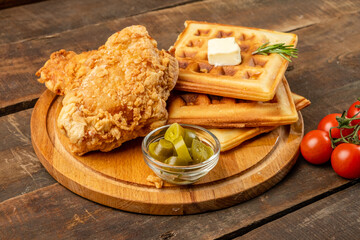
[113,94]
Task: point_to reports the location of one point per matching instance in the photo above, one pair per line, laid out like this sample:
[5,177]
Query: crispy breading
[113,94]
[158,182]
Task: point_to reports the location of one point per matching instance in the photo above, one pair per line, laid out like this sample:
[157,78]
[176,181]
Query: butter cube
[223,51]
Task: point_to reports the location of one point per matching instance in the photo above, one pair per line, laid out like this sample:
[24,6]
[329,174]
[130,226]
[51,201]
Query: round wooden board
[118,178]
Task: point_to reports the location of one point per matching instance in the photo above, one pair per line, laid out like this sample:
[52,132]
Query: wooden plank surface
[51,18]
[21,59]
[327,69]
[20,169]
[335,217]
[13,3]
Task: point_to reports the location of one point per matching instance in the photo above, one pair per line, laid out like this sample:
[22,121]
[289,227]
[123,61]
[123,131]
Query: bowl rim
[189,167]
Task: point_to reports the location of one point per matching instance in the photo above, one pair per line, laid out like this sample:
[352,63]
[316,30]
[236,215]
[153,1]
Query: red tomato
[330,121]
[346,131]
[316,147]
[352,111]
[345,160]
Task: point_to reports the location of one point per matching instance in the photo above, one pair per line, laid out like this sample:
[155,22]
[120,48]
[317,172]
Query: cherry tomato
[352,111]
[330,121]
[345,160]
[346,131]
[316,147]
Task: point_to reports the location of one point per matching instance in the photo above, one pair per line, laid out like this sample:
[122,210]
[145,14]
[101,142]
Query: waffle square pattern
[255,78]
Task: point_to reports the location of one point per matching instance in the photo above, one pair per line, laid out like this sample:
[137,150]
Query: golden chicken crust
[113,94]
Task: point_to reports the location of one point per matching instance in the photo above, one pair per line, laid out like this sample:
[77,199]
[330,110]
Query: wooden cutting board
[118,178]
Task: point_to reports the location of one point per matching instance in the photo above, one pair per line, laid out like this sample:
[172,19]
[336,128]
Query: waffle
[222,112]
[256,78]
[230,138]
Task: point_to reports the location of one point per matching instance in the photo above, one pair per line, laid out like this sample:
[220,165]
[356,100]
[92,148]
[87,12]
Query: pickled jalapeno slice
[189,136]
[181,149]
[200,151]
[166,146]
[173,132]
[176,161]
[161,150]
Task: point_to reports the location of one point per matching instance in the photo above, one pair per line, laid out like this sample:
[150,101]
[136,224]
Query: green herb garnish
[279,48]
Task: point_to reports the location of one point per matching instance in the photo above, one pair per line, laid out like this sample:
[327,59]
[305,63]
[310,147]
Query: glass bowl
[181,175]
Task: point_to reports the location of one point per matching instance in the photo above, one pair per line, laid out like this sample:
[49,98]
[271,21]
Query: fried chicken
[113,94]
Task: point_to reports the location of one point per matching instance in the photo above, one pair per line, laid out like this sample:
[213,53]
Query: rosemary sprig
[279,48]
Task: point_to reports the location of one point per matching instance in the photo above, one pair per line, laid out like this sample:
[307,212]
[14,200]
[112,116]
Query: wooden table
[312,202]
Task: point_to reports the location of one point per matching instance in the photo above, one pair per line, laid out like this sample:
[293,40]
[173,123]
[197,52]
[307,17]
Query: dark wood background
[312,202]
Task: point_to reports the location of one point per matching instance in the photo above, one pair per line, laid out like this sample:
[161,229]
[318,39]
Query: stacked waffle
[235,102]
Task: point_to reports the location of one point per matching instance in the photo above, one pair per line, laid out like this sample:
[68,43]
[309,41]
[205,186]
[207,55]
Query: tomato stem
[344,123]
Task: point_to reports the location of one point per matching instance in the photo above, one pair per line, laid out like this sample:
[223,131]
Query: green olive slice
[189,136]
[161,150]
[176,161]
[174,132]
[181,149]
[200,151]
